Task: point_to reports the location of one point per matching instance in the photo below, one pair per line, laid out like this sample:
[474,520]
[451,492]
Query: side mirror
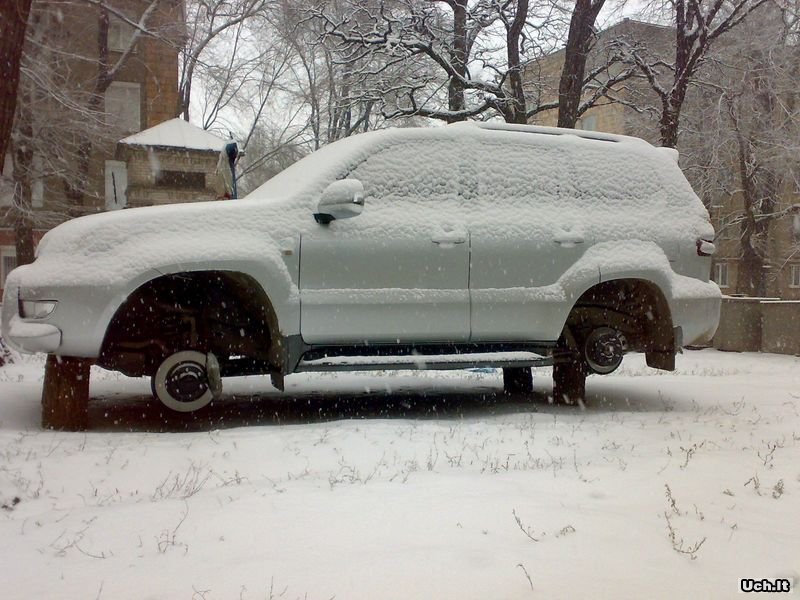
[342,199]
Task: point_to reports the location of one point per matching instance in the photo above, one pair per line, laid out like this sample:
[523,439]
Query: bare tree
[475,59]
[744,142]
[60,118]
[469,57]
[207,21]
[698,25]
[107,72]
[13,21]
[579,43]
[764,119]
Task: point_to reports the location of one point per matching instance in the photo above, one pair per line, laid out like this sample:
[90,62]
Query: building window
[120,34]
[116,184]
[796,229]
[728,228]
[794,280]
[124,105]
[721,274]
[8,262]
[7,182]
[37,183]
[181,180]
[588,123]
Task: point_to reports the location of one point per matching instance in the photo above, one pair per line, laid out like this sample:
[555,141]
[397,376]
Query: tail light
[705,247]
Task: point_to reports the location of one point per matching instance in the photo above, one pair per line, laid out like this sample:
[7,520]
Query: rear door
[399,272]
[527,231]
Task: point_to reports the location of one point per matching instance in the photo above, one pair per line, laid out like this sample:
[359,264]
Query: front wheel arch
[226,311]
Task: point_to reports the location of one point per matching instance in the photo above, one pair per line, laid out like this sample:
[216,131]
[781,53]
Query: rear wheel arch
[634,306]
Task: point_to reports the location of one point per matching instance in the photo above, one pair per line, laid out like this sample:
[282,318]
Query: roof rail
[589,135]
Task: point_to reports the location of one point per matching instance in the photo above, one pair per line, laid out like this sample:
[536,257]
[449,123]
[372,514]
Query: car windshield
[311,173]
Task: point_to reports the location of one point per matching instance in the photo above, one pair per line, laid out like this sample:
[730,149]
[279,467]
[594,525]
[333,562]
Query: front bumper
[27,336]
[73,329]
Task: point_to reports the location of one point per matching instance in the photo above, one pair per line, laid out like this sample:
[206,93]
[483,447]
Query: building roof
[177,133]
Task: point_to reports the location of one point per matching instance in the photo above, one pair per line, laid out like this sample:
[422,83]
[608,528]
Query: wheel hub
[186,382]
[604,350]
[182,381]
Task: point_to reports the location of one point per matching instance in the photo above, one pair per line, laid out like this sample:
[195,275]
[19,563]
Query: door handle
[449,239]
[568,240]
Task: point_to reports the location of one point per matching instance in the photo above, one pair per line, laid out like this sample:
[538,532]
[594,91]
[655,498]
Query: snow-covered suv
[449,247]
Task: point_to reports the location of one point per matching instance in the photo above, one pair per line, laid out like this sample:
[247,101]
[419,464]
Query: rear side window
[623,177]
[543,183]
[512,174]
[583,176]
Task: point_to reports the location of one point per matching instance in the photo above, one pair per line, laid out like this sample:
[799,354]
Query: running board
[425,361]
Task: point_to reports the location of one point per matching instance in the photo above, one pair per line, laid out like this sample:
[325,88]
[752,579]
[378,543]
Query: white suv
[449,247]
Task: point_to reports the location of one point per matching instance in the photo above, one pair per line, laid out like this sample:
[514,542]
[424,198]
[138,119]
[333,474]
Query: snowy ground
[409,485]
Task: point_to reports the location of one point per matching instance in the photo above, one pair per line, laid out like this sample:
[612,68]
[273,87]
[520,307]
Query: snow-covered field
[409,485]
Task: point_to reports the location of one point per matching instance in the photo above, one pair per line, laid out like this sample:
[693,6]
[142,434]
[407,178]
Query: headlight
[36,309]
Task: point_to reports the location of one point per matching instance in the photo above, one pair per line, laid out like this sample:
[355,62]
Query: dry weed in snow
[438,488]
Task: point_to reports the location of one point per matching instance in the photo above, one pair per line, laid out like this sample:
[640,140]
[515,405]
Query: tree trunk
[65,395]
[13,21]
[515,112]
[752,279]
[750,275]
[23,239]
[669,127]
[579,42]
[760,189]
[23,188]
[671,106]
[456,99]
[752,265]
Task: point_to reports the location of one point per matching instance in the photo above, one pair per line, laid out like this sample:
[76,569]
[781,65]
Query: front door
[399,272]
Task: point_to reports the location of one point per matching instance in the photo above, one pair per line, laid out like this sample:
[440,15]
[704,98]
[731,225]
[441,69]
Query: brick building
[783,268]
[143,94]
[174,161]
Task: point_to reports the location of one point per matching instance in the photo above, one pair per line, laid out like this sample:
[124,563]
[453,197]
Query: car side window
[421,173]
[513,175]
[556,177]
[623,177]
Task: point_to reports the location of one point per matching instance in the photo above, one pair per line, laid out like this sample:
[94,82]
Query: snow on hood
[116,247]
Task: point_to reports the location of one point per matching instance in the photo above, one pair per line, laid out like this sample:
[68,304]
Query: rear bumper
[695,309]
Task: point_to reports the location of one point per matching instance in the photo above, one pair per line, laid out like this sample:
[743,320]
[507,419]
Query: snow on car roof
[560,131]
[331,161]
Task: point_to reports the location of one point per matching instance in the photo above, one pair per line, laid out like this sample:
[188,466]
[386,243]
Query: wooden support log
[65,395]
[517,381]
